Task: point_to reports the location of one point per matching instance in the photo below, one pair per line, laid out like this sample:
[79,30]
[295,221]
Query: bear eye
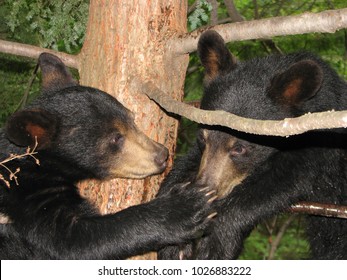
[238,150]
[116,139]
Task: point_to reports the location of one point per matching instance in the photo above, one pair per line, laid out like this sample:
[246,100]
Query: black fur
[81,133]
[279,171]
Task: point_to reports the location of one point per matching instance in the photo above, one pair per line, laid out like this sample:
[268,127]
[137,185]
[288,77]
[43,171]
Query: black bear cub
[257,177]
[80,133]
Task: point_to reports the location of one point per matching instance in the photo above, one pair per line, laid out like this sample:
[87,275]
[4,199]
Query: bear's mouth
[224,186]
[217,169]
[150,163]
[162,167]
[4,219]
[132,173]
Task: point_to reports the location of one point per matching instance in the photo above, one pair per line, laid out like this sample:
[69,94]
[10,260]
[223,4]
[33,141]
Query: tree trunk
[127,39]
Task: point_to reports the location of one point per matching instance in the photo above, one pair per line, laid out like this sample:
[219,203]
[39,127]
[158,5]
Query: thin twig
[13,174]
[23,102]
[278,238]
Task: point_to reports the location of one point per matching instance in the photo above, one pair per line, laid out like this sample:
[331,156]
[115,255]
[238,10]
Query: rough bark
[127,39]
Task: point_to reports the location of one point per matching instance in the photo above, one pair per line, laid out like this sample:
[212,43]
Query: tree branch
[236,16]
[328,210]
[214,12]
[274,244]
[286,127]
[327,21]
[192,7]
[23,102]
[232,11]
[34,52]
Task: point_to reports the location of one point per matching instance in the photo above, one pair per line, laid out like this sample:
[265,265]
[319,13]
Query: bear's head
[271,88]
[83,131]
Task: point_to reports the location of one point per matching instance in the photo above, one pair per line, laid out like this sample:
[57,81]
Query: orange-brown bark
[127,39]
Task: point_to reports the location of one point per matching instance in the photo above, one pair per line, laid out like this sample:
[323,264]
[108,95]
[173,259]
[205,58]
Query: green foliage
[14,76]
[293,244]
[58,24]
[200,15]
[187,131]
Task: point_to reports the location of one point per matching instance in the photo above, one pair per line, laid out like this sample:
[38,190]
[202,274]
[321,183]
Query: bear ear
[55,75]
[28,128]
[214,55]
[297,84]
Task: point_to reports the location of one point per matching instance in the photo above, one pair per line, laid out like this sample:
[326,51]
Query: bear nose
[161,157]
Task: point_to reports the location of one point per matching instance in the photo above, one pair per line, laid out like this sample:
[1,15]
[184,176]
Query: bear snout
[161,157]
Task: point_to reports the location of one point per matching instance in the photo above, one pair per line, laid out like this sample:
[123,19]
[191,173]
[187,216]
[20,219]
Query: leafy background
[61,24]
